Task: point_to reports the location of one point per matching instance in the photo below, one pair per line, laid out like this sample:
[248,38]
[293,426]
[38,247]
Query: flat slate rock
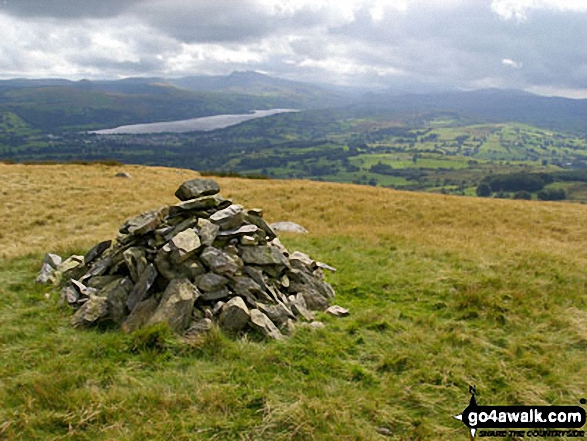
[196,188]
[144,223]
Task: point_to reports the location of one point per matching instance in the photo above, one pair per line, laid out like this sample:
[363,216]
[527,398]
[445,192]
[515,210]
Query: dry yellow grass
[59,207]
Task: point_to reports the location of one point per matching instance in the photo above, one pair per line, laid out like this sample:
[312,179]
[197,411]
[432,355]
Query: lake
[203,124]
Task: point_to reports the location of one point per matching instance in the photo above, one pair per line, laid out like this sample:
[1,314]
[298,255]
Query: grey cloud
[466,44]
[206,20]
[463,44]
[67,9]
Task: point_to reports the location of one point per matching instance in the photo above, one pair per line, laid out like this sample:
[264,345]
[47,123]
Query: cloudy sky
[535,45]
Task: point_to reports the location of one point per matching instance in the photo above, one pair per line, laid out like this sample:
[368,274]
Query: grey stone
[211,282]
[184,245]
[210,296]
[168,233]
[196,188]
[263,255]
[264,325]
[53,260]
[288,227]
[82,289]
[99,282]
[70,295]
[189,269]
[136,262]
[96,251]
[92,312]
[299,307]
[199,327]
[218,307]
[325,266]
[219,262]
[141,288]
[316,292]
[314,300]
[260,222]
[99,268]
[176,305]
[301,261]
[230,217]
[122,175]
[337,311]
[201,203]
[249,289]
[145,222]
[234,316]
[46,274]
[140,315]
[71,268]
[249,240]
[207,231]
[237,232]
[116,294]
[278,313]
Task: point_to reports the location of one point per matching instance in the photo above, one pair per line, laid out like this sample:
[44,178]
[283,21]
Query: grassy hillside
[443,291]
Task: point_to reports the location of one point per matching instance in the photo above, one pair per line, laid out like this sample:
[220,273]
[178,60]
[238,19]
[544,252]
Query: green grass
[425,323]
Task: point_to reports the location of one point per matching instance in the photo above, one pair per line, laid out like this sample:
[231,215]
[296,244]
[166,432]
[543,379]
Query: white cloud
[511,63]
[518,9]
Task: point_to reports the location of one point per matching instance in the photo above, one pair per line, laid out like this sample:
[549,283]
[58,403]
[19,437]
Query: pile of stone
[200,262]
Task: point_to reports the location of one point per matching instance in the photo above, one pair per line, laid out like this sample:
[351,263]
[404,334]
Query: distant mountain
[492,105]
[57,104]
[303,94]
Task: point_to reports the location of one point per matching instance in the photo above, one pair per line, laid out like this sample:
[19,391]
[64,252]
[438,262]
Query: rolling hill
[444,292]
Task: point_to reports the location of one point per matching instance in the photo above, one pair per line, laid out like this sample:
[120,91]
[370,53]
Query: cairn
[200,262]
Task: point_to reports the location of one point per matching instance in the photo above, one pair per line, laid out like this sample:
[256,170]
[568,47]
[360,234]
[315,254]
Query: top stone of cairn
[196,188]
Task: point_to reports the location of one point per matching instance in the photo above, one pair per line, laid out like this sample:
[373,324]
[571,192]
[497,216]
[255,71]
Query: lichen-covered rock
[176,305]
[230,217]
[196,188]
[220,262]
[140,315]
[145,222]
[136,261]
[207,231]
[184,245]
[263,255]
[116,294]
[46,274]
[91,312]
[140,290]
[234,316]
[264,325]
[211,282]
[96,251]
[197,204]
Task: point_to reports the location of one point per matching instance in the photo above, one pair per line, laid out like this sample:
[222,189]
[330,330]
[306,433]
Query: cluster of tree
[513,182]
